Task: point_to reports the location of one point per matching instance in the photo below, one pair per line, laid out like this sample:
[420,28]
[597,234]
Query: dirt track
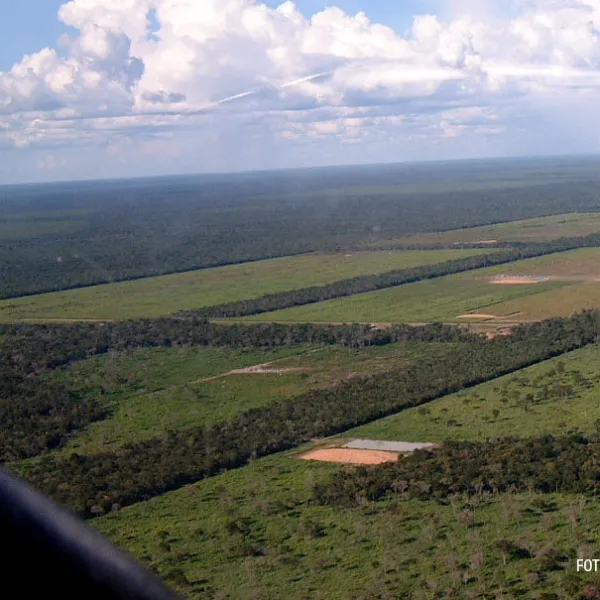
[262,369]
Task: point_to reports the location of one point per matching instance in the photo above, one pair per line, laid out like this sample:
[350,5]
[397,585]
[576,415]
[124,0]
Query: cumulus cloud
[157,67]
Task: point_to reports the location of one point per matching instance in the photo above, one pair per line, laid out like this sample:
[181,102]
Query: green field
[530,230]
[254,533]
[152,391]
[158,296]
[504,407]
[582,264]
[443,299]
[158,446]
[572,286]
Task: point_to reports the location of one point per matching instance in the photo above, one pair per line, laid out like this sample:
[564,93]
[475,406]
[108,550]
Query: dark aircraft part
[46,553]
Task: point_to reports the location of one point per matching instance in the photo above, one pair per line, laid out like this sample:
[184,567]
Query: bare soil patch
[515,280]
[479,242]
[350,456]
[477,316]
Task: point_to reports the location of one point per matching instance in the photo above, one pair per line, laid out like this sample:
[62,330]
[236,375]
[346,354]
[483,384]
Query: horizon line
[275,170]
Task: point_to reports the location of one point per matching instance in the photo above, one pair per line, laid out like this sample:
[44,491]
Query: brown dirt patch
[350,456]
[514,281]
[477,316]
[503,332]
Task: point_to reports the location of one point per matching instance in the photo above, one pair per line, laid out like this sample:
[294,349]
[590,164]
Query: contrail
[515,72]
[307,78]
[253,93]
[229,99]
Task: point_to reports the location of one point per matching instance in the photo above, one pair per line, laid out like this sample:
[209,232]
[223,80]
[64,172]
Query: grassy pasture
[581,264]
[254,533]
[441,299]
[158,296]
[515,405]
[446,298]
[529,230]
[152,391]
[560,302]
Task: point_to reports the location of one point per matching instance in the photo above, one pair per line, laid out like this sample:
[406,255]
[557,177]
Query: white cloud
[217,66]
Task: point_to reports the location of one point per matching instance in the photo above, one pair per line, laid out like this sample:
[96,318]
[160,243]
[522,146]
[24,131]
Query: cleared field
[564,283]
[554,397]
[582,264]
[443,299]
[559,302]
[149,391]
[152,391]
[254,533]
[529,230]
[158,296]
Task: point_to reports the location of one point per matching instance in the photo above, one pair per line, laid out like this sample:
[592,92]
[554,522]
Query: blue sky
[27,26]
[228,85]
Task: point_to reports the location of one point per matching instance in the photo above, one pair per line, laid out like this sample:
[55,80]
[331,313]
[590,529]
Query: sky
[93,89]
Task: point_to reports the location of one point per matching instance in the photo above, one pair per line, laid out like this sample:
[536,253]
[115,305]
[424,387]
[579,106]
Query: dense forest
[62,236]
[92,484]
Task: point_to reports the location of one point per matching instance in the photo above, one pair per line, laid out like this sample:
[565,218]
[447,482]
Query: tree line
[38,414]
[394,278]
[93,484]
[124,230]
[35,348]
[545,464]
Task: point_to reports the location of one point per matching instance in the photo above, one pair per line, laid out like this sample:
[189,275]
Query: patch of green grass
[158,296]
[446,298]
[580,264]
[443,299]
[254,533]
[561,302]
[529,230]
[543,399]
[146,370]
[152,391]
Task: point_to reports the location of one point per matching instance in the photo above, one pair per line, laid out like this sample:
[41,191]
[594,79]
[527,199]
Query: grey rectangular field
[387,446]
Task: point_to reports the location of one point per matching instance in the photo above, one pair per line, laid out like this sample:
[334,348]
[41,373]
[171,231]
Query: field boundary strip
[370,283]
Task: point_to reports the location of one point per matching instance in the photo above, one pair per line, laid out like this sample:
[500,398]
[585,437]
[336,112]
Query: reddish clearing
[350,456]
